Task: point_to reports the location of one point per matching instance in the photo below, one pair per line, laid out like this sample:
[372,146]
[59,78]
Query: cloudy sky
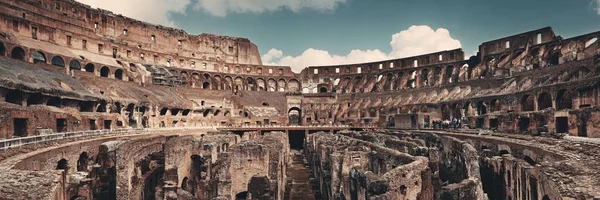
[301,33]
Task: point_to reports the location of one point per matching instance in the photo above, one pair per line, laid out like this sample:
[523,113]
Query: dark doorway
[562,124]
[107,124]
[413,121]
[82,162]
[480,122]
[62,164]
[93,125]
[294,116]
[20,127]
[296,139]
[582,130]
[524,124]
[494,124]
[18,53]
[241,196]
[61,125]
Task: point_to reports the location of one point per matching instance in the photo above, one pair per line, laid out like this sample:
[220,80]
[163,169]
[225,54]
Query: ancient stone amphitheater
[95,105]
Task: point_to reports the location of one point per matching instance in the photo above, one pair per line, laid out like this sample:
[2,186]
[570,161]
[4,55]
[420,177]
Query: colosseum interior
[95,105]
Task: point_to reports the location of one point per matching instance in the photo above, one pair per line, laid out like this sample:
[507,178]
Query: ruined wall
[352,168]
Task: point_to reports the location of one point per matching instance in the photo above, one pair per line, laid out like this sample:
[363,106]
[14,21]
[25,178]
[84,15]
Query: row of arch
[226,82]
[74,64]
[391,81]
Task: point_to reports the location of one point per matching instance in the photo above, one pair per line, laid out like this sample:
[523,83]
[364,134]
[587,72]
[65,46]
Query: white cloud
[415,40]
[153,11]
[596,4]
[223,7]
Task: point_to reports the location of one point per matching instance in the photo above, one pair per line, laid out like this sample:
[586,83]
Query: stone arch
[293,85]
[527,103]
[271,85]
[425,77]
[18,53]
[74,65]
[206,85]
[295,116]
[82,162]
[238,83]
[54,101]
[164,111]
[446,112]
[282,85]
[58,61]
[261,84]
[544,101]
[90,67]
[15,97]
[104,71]
[38,57]
[241,195]
[564,100]
[62,164]
[545,197]
[323,90]
[119,74]
[495,105]
[184,184]
[450,74]
[250,84]
[437,75]
[468,109]
[35,99]
[481,108]
[2,49]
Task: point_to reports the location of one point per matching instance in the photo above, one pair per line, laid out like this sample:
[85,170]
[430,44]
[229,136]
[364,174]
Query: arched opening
[206,85]
[35,99]
[38,57]
[294,116]
[62,164]
[184,184]
[86,106]
[74,65]
[54,101]
[554,58]
[58,61]
[15,97]
[545,197]
[503,152]
[450,74]
[446,112]
[102,107]
[90,68]
[544,101]
[241,196]
[2,49]
[425,77]
[119,74]
[481,108]
[564,100]
[496,105]
[529,160]
[104,71]
[18,53]
[323,90]
[82,162]
[163,111]
[527,103]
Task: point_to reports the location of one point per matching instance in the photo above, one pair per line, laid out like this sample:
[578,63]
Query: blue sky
[323,32]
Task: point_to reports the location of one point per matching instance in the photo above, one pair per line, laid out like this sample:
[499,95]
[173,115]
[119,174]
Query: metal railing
[21,141]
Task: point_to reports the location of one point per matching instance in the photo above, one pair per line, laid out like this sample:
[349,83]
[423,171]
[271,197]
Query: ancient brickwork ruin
[96,105]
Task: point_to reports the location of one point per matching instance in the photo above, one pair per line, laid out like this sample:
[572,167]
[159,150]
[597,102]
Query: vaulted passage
[18,53]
